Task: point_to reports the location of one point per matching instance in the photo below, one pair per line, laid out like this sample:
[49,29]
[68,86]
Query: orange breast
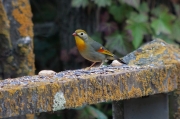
[80,43]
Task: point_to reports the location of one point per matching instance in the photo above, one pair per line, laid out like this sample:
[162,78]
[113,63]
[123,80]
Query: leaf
[162,22]
[133,3]
[177,9]
[138,18]
[143,8]
[139,26]
[89,112]
[159,10]
[167,17]
[138,31]
[115,42]
[96,113]
[176,30]
[79,3]
[119,12]
[103,3]
[160,26]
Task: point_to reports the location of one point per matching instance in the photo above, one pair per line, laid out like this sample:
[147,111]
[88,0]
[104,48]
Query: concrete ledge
[157,72]
[76,88]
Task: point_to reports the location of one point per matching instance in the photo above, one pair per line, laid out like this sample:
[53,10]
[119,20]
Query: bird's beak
[74,34]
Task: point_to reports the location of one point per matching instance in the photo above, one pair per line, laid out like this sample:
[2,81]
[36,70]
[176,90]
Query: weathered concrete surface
[69,89]
[158,53]
[16,39]
[75,88]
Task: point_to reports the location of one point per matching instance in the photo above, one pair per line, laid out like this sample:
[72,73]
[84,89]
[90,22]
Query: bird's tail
[114,57]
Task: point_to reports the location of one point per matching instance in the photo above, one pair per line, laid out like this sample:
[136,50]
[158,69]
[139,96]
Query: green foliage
[176,30]
[162,22]
[133,3]
[79,3]
[89,112]
[157,22]
[119,13]
[116,42]
[103,3]
[143,8]
[138,25]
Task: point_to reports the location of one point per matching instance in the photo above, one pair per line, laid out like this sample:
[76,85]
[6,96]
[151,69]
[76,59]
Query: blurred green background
[120,25]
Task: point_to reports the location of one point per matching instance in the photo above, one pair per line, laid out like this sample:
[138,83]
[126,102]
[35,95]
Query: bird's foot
[87,68]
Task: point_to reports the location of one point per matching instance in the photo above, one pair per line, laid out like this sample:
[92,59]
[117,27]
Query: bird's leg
[92,65]
[101,63]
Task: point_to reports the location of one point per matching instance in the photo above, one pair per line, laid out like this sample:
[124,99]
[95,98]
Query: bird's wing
[99,48]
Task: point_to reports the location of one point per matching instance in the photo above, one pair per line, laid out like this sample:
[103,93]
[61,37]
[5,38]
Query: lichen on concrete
[156,52]
[22,13]
[59,101]
[75,88]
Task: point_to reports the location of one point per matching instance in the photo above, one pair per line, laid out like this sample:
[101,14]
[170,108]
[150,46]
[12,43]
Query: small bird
[92,50]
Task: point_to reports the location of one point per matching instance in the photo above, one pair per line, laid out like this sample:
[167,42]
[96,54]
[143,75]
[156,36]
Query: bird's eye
[81,34]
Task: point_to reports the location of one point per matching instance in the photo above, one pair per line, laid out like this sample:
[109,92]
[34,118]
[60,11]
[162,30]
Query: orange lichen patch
[22,14]
[156,52]
[170,78]
[175,97]
[134,92]
[55,87]
[30,116]
[74,94]
[12,90]
[26,64]
[14,107]
[1,95]
[119,87]
[41,97]
[11,103]
[125,88]
[30,60]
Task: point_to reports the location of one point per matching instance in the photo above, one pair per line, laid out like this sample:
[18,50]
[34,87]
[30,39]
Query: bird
[92,50]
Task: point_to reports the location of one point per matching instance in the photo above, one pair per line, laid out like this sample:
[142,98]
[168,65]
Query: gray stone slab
[152,107]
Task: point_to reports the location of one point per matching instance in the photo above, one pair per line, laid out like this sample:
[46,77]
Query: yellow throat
[80,43]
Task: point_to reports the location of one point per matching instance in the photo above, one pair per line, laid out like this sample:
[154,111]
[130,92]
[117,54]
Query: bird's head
[81,34]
